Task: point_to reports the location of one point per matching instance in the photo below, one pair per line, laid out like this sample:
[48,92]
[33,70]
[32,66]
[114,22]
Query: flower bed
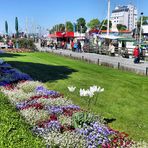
[16,50]
[56,118]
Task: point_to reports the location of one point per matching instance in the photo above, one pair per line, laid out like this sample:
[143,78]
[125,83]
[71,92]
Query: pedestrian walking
[136,55]
[79,46]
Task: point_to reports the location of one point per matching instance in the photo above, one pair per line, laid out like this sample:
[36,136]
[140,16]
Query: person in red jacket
[136,54]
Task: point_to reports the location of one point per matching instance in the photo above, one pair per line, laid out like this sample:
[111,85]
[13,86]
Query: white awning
[109,37]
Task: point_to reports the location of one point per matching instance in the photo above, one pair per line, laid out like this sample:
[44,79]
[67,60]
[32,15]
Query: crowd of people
[75,46]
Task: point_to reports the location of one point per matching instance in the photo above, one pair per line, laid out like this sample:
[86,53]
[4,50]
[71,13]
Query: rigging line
[104,12]
[136,29]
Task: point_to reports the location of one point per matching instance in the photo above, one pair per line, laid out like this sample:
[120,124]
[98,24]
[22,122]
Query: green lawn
[125,98]
[14,132]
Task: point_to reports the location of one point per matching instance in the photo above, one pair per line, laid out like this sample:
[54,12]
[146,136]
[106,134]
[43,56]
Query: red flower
[67,128]
[53,117]
[70,112]
[43,124]
[36,106]
[9,86]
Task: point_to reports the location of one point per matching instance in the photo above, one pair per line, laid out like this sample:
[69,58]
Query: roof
[127,39]
[120,10]
[112,37]
[94,31]
[121,31]
[61,34]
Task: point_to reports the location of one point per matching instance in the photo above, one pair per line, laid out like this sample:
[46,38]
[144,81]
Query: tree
[69,26]
[136,31]
[61,27]
[144,21]
[94,24]
[121,27]
[81,25]
[16,26]
[6,27]
[104,25]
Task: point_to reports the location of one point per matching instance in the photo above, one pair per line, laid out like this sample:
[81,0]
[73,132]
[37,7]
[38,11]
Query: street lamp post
[141,27]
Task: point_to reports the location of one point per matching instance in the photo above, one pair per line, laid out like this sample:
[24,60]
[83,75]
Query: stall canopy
[61,35]
[69,34]
[96,31]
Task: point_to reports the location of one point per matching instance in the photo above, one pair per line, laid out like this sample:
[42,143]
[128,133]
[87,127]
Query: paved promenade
[114,62]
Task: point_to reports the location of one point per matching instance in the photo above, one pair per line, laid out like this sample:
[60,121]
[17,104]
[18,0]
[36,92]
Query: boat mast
[108,17]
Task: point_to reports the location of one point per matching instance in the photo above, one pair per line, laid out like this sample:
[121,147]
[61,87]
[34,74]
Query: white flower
[87,92]
[82,92]
[93,88]
[71,88]
[90,93]
[96,89]
[102,90]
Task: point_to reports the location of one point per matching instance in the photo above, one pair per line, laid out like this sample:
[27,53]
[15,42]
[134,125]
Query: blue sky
[46,13]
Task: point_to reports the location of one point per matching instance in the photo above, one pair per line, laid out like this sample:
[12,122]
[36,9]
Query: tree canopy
[121,27]
[16,26]
[69,26]
[6,27]
[81,25]
[104,24]
[93,24]
[144,21]
[61,27]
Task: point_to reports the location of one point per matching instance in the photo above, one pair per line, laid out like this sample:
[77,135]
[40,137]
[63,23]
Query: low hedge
[25,43]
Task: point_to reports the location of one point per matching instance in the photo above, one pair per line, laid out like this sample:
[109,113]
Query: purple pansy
[43,91]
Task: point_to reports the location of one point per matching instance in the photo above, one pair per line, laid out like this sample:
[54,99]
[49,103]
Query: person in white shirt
[112,49]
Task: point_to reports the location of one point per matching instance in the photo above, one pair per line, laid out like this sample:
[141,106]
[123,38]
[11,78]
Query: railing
[119,51]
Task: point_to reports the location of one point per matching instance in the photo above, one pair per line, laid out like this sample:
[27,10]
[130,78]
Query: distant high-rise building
[126,15]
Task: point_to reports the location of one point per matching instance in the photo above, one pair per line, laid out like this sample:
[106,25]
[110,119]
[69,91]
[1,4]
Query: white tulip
[71,88]
[102,90]
[93,88]
[82,92]
[90,94]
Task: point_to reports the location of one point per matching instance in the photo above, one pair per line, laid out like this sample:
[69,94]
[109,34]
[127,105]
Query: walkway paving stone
[114,62]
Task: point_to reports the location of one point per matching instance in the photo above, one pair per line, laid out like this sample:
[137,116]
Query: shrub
[79,118]
[25,43]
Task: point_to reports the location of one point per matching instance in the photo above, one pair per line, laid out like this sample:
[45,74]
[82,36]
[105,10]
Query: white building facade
[126,15]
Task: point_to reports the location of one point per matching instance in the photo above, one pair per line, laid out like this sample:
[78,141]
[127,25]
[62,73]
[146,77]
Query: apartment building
[126,15]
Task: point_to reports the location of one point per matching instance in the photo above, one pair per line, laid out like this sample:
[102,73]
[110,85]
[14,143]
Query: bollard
[82,57]
[146,71]
[118,65]
[98,62]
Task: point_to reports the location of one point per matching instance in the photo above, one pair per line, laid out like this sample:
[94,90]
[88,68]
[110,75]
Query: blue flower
[43,91]
[95,134]
[54,109]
